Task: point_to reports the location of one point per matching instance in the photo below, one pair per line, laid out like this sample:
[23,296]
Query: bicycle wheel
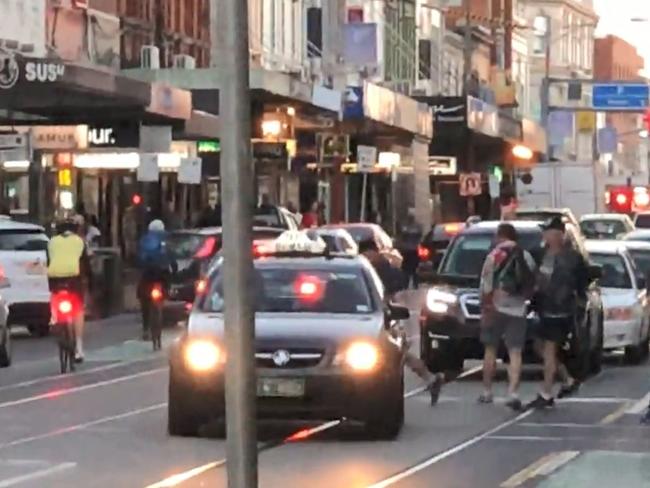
[155,324]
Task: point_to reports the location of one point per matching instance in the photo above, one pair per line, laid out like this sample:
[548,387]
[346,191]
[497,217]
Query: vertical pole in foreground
[237,176]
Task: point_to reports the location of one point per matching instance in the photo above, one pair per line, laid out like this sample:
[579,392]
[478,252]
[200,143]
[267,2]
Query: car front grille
[288,358]
[471,306]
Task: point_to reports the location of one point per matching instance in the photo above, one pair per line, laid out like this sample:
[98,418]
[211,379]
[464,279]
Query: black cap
[554,223]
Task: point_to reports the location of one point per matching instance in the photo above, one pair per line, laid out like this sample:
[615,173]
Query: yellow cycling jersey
[64,252]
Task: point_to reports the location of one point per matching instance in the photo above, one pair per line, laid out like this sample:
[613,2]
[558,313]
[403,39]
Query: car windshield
[642,221]
[615,273]
[185,245]
[602,229]
[341,290]
[641,235]
[642,260]
[466,254]
[23,240]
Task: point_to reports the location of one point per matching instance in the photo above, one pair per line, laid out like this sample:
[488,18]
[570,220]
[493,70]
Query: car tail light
[201,286]
[207,248]
[156,293]
[424,253]
[261,249]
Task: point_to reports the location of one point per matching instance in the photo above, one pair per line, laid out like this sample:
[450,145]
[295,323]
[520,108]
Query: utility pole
[467,71]
[231,33]
[545,94]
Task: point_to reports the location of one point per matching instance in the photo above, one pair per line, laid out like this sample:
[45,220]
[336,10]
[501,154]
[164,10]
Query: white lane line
[640,405]
[464,374]
[42,473]
[542,467]
[91,386]
[449,452]
[85,425]
[562,425]
[78,374]
[616,414]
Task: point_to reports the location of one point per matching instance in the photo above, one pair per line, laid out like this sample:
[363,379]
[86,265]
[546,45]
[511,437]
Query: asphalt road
[105,427]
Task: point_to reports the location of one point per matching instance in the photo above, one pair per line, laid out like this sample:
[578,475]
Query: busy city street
[106,426]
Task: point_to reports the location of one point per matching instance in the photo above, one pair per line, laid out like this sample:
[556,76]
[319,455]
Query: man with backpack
[507,282]
[155,264]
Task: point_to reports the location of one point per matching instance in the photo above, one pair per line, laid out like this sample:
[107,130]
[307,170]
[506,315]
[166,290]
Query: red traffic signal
[620,199]
[136,199]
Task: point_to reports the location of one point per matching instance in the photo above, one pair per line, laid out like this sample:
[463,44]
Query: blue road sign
[620,96]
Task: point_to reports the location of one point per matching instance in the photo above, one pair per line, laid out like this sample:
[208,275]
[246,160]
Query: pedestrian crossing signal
[65,177]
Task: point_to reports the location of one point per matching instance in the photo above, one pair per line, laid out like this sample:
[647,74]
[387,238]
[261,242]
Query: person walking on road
[507,282]
[393,281]
[561,287]
[410,236]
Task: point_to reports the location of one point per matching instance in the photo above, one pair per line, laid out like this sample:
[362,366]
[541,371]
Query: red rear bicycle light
[65,307]
[423,253]
[156,294]
[207,248]
[201,286]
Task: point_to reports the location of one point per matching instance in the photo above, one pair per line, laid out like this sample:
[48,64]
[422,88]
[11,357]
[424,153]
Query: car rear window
[642,260]
[307,290]
[185,245]
[360,234]
[602,229]
[615,273]
[23,240]
[642,221]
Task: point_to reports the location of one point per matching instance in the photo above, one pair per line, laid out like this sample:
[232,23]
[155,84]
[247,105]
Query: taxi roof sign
[294,241]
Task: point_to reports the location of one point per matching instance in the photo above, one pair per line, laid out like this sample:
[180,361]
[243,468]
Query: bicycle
[65,307]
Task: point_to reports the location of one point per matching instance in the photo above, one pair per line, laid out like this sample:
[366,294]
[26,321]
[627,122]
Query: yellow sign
[65,177]
[586,121]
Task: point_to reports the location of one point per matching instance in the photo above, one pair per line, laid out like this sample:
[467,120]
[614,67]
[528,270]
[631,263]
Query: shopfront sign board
[366,158]
[189,171]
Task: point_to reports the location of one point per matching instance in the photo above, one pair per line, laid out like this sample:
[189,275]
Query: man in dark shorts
[562,285]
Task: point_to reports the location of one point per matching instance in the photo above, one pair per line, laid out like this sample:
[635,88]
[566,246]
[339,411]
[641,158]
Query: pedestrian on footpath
[562,284]
[393,282]
[507,283]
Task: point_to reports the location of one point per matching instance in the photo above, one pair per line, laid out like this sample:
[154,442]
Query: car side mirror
[398,312]
[595,272]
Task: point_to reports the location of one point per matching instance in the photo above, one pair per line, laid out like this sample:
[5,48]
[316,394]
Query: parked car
[337,240]
[276,217]
[193,250]
[449,320]
[23,258]
[642,235]
[372,232]
[433,245]
[642,220]
[544,214]
[605,226]
[625,300]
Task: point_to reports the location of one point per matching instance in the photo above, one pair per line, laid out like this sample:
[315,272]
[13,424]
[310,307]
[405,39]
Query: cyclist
[155,264]
[67,265]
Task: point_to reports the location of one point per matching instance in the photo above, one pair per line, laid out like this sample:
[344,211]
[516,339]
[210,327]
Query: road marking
[563,425]
[85,425]
[449,452]
[640,405]
[616,414]
[523,438]
[464,374]
[542,467]
[42,473]
[91,386]
[78,374]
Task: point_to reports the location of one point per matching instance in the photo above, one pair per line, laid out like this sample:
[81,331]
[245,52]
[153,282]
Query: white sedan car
[627,319]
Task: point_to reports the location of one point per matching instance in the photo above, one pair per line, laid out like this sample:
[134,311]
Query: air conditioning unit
[183,61]
[150,57]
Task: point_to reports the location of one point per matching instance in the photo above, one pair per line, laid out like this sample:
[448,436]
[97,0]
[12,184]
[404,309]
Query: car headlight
[438,301]
[619,313]
[362,356]
[203,355]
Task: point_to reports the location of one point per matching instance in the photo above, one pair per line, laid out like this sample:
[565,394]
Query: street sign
[366,158]
[9,141]
[620,96]
[469,184]
[189,171]
[148,170]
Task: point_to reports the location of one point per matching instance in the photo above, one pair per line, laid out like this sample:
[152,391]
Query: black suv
[449,321]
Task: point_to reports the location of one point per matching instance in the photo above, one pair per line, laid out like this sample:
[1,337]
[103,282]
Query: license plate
[280,387]
[435,344]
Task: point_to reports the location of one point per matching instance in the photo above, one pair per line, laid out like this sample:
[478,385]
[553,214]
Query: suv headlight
[203,355]
[438,301]
[360,356]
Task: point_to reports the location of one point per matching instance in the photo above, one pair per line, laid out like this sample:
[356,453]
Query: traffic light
[620,199]
[136,199]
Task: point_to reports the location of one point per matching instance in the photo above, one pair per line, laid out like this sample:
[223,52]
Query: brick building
[615,59]
[174,26]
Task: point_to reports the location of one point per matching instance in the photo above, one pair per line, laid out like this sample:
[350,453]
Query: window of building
[424,54]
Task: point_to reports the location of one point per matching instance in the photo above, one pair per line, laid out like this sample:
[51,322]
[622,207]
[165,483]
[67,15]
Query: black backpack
[514,276]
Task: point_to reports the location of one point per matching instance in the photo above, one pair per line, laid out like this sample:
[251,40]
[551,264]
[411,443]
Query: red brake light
[207,248]
[309,288]
[453,228]
[156,293]
[423,253]
[621,198]
[260,249]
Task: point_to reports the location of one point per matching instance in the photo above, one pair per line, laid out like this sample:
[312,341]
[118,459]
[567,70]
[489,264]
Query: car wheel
[39,330]
[387,422]
[181,421]
[5,349]
[596,359]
